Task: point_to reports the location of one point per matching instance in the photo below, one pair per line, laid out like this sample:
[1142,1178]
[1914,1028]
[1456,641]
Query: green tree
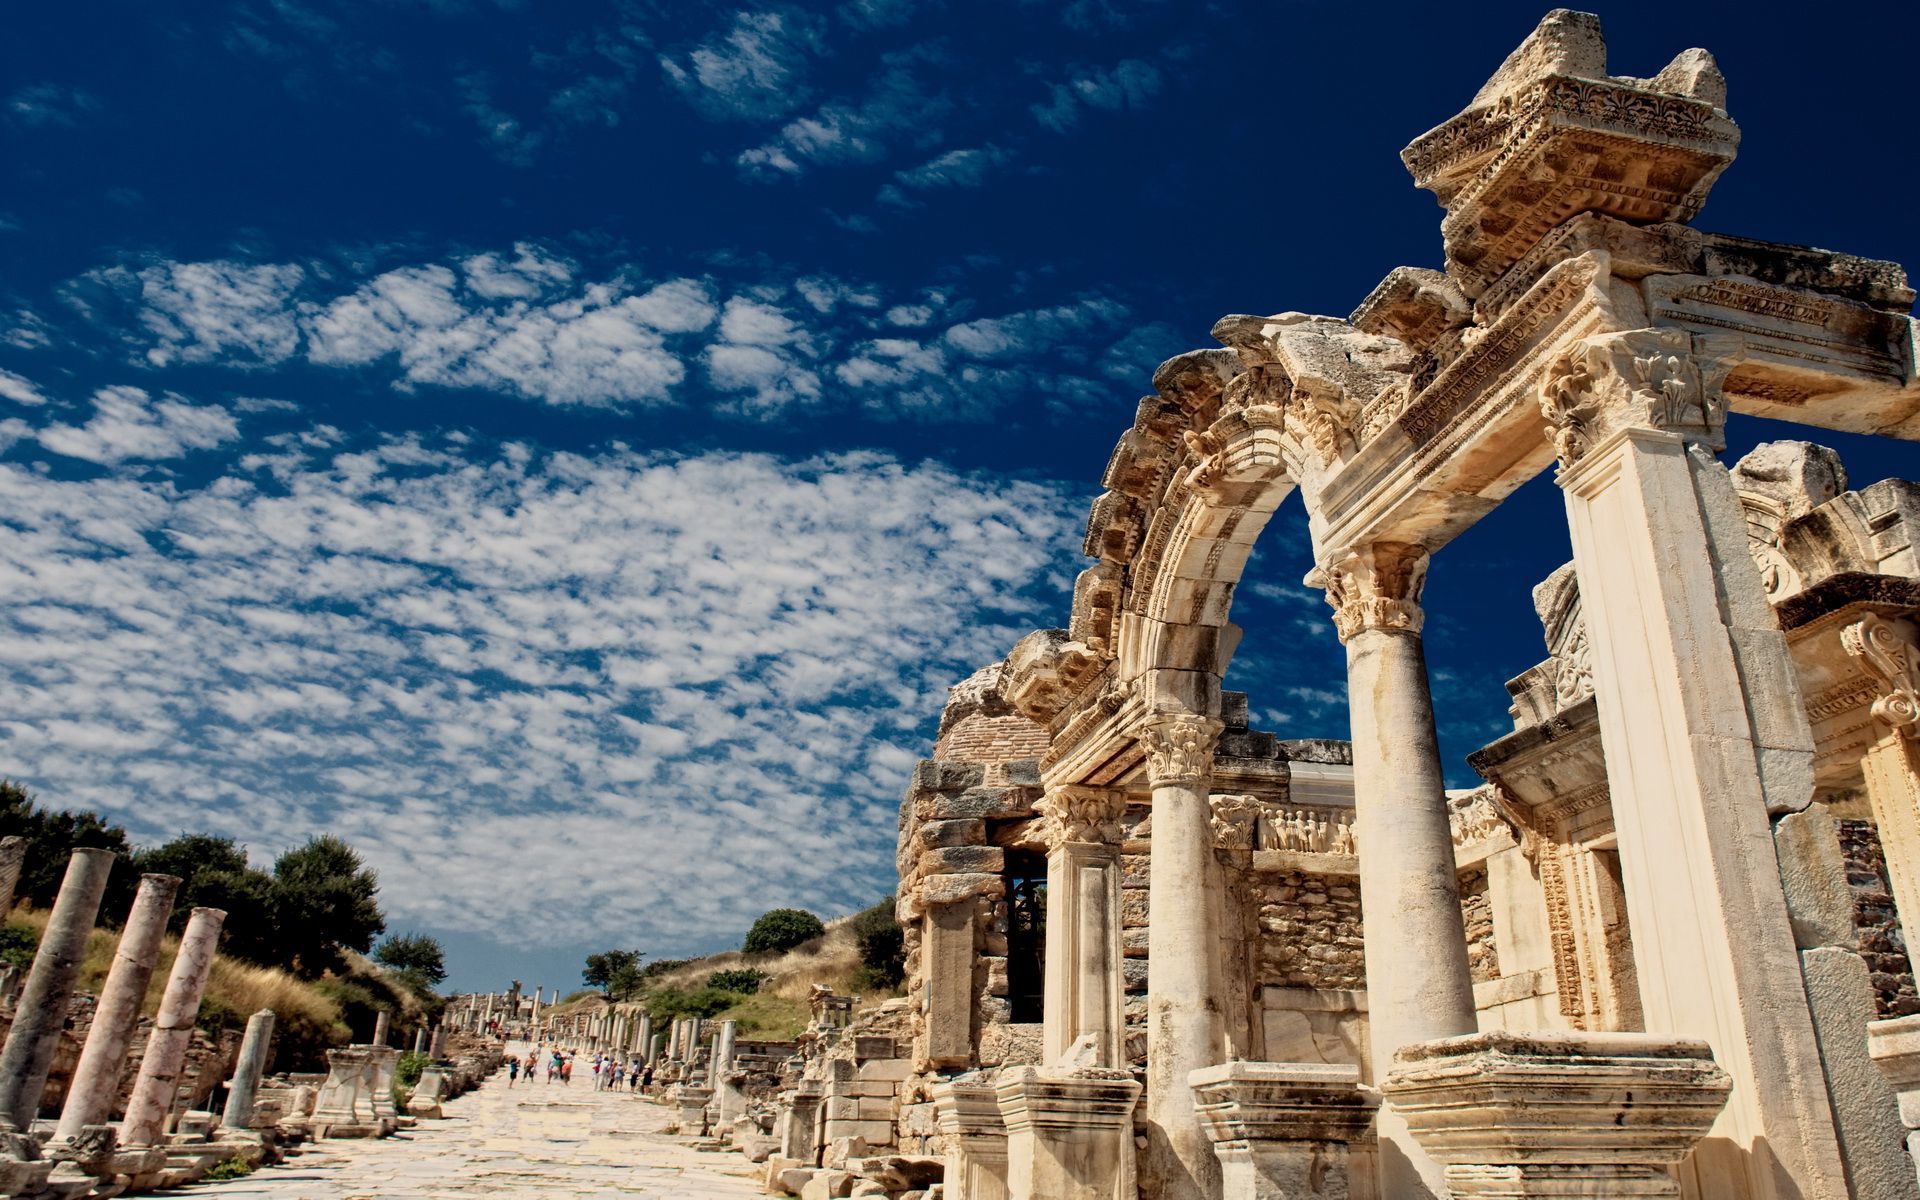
[883,950]
[782,929]
[324,900]
[55,836]
[213,873]
[414,953]
[616,973]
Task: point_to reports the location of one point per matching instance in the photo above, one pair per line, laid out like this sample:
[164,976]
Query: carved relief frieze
[1789,326]
[1308,831]
[1642,378]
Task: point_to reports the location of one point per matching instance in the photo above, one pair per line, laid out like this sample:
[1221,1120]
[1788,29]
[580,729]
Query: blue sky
[569,449]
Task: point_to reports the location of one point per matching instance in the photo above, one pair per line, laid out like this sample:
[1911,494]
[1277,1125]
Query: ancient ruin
[1155,952]
[1658,952]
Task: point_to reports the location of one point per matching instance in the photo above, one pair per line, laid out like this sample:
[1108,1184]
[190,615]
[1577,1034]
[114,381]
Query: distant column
[42,1010]
[380,1024]
[420,1040]
[644,1039]
[13,854]
[244,1087]
[96,1080]
[153,1090]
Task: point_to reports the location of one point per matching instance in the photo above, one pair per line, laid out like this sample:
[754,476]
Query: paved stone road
[538,1140]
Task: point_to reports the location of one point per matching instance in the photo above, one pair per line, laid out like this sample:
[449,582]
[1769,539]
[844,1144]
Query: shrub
[744,980]
[17,944]
[228,1168]
[782,929]
[883,950]
[406,1072]
[668,1004]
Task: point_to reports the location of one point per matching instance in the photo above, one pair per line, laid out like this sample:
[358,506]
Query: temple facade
[1658,952]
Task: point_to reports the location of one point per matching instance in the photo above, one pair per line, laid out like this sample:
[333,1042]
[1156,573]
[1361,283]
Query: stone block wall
[1311,934]
[1476,909]
[1882,943]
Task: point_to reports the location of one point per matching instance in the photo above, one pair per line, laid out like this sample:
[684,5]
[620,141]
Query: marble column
[644,1039]
[1185,1031]
[656,1049]
[381,1022]
[96,1078]
[154,1088]
[420,1040]
[1706,738]
[1419,986]
[1084,993]
[248,1069]
[42,1009]
[13,854]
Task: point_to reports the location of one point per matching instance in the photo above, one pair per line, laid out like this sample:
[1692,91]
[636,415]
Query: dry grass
[236,989]
[833,958]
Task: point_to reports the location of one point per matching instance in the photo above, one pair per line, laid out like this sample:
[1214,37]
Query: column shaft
[153,1089]
[96,1078]
[1184,1027]
[244,1087]
[13,854]
[1701,720]
[42,1009]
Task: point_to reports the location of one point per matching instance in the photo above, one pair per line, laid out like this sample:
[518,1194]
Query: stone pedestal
[428,1094]
[1282,1130]
[1523,1116]
[247,1070]
[1895,1048]
[1069,1136]
[345,1107]
[969,1117]
[692,1103]
[96,1078]
[799,1127]
[42,1010]
[383,1063]
[159,1078]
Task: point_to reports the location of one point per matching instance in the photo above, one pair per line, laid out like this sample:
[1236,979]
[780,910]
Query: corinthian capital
[1179,750]
[1644,378]
[1081,814]
[1889,653]
[1377,587]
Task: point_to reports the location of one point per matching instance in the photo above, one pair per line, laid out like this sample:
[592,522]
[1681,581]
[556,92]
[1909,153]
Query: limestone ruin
[1155,952]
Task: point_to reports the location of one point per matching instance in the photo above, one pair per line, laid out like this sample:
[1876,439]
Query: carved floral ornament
[1643,378]
[1889,653]
[1233,820]
[1377,587]
[1081,814]
[1179,751]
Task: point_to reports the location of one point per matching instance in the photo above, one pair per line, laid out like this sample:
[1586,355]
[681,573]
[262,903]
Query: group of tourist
[608,1072]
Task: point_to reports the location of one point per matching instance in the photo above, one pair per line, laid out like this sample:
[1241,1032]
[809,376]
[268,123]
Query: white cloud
[753,70]
[1129,84]
[20,389]
[128,423]
[200,311]
[520,661]
[896,107]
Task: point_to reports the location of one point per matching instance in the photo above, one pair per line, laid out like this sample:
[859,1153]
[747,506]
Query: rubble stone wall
[1311,931]
[1882,942]
[1476,909]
